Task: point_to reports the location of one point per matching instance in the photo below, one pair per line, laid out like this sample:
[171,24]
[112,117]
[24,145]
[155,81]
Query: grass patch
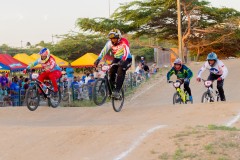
[230,145]
[153,152]
[222,158]
[164,156]
[186,133]
[222,128]
[179,154]
[204,142]
[84,103]
[210,149]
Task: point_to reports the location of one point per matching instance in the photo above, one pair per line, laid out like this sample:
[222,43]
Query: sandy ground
[143,130]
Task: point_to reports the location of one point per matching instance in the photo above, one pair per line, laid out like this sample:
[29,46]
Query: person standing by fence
[14,91]
[146,70]
[90,84]
[70,75]
[3,80]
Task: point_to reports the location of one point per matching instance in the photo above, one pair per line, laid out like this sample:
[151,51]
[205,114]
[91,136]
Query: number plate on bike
[176,84]
[35,76]
[208,83]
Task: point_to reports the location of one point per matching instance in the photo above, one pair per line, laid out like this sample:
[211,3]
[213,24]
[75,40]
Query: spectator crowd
[12,90]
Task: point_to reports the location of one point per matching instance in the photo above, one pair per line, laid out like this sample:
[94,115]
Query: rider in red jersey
[51,70]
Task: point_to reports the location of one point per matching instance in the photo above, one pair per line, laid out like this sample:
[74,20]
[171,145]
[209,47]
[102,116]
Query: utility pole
[180,54]
[52,39]
[109,6]
[21,44]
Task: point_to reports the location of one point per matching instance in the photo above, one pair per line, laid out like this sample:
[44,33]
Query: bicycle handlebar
[181,81]
[114,64]
[204,80]
[170,81]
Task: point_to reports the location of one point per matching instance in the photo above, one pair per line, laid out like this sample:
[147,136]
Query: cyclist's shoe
[211,100]
[223,99]
[116,94]
[190,98]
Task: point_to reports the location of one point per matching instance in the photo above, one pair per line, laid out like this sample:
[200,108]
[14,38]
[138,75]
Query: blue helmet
[212,56]
[45,52]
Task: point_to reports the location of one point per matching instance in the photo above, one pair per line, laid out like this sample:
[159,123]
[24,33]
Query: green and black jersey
[184,72]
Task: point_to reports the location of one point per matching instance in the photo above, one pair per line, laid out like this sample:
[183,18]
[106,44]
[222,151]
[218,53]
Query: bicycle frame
[40,84]
[182,94]
[104,88]
[106,77]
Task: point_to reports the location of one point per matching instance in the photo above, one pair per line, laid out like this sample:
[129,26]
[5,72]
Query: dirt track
[99,133]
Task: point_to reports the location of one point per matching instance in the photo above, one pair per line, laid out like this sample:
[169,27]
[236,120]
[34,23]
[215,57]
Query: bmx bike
[180,96]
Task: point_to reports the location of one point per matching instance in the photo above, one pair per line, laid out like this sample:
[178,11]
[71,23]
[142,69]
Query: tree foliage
[148,24]
[72,46]
[158,19]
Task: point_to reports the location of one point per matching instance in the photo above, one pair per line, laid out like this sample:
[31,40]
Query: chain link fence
[75,93]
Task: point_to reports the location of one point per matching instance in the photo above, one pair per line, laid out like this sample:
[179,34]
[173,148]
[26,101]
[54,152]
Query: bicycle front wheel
[117,103]
[32,98]
[206,98]
[177,98]
[54,99]
[100,91]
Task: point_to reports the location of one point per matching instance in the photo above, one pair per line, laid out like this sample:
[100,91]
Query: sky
[23,21]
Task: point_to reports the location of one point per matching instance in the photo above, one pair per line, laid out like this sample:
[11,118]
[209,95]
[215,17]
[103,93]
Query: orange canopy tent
[87,60]
[26,59]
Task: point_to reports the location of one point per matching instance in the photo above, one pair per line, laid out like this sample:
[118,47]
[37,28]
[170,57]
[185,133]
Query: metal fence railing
[76,93]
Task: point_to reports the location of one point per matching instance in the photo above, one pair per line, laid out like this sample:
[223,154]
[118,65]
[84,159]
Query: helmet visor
[113,35]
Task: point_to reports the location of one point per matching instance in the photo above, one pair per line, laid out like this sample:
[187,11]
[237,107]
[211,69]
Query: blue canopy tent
[13,64]
[4,68]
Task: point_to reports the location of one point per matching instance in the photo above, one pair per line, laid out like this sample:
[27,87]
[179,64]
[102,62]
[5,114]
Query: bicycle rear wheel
[100,91]
[54,99]
[117,103]
[177,98]
[206,98]
[32,98]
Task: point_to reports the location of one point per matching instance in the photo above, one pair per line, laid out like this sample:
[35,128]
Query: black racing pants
[121,72]
[213,77]
[187,88]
